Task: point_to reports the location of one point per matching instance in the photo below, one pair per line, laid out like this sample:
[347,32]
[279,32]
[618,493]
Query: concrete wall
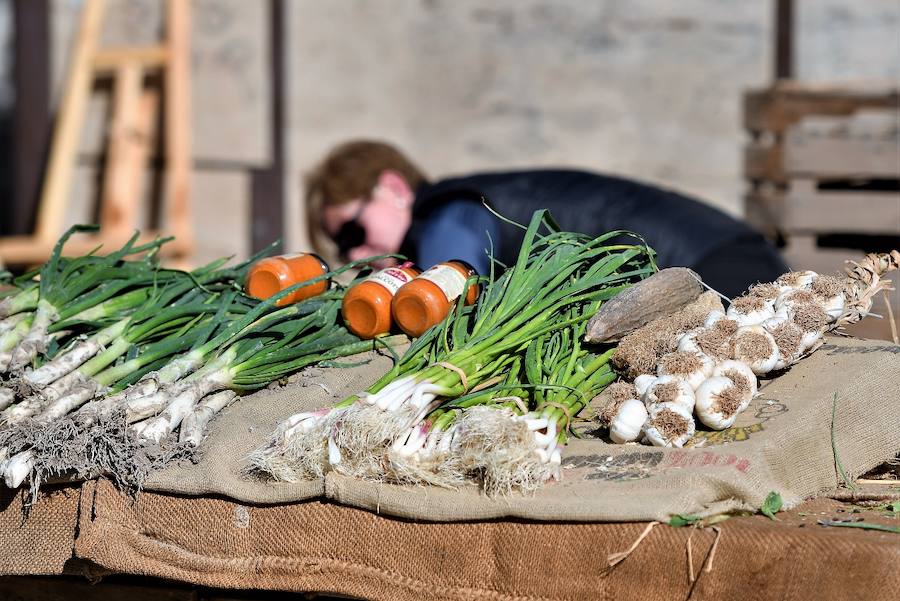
[650,89]
[230,116]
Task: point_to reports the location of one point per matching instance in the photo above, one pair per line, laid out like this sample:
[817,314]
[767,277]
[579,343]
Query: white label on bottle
[391,278]
[449,280]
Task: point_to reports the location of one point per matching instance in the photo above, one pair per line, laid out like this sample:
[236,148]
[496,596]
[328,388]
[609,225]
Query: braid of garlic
[864,282]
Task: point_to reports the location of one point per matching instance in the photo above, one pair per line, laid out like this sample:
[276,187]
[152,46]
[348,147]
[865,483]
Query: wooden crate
[825,161]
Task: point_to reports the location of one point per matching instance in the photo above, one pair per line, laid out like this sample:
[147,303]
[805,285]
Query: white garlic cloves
[796,280]
[719,402]
[692,367]
[628,422]
[712,317]
[739,373]
[642,383]
[750,310]
[756,347]
[669,389]
[670,425]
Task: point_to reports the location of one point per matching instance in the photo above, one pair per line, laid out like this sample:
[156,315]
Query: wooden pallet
[134,115]
[825,160]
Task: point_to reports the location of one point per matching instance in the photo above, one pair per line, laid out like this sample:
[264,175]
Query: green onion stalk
[266,344]
[67,288]
[558,277]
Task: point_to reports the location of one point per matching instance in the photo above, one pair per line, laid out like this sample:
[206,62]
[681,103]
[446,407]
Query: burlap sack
[324,547]
[782,443]
[248,423]
[42,542]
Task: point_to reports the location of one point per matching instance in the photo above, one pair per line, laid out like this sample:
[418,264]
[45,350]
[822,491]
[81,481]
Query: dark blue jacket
[683,231]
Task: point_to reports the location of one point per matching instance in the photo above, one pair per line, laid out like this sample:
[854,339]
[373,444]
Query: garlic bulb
[796,280]
[739,373]
[669,389]
[628,422]
[618,393]
[788,337]
[789,300]
[750,310]
[642,383]
[687,341]
[767,291]
[719,401]
[829,292]
[670,425]
[693,368]
[713,316]
[715,341]
[754,346]
[813,322]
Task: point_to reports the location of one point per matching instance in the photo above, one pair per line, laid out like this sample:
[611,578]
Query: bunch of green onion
[118,339]
[487,394]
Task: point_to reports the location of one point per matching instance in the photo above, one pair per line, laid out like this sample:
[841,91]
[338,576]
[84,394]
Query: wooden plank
[29,250]
[763,161]
[778,107]
[827,212]
[112,59]
[866,144]
[784,39]
[69,120]
[177,121]
[829,157]
[121,182]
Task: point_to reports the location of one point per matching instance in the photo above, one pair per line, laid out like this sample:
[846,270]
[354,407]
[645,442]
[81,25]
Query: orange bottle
[367,306]
[427,299]
[271,275]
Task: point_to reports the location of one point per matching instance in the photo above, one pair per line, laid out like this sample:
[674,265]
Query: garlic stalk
[670,425]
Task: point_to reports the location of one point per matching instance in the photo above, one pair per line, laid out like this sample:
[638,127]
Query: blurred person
[369,198]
